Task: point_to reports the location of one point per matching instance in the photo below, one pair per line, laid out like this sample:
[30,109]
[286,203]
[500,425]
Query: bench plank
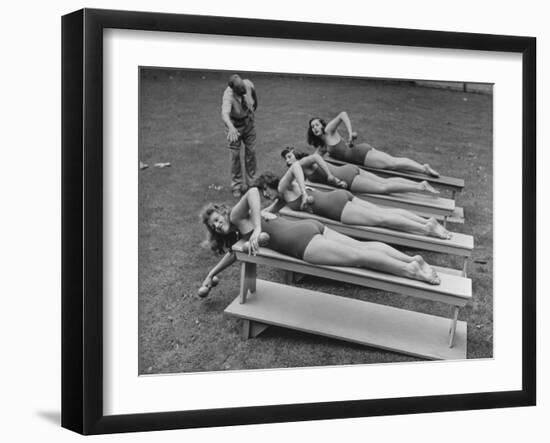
[412,333]
[456,217]
[427,204]
[453,290]
[460,244]
[449,182]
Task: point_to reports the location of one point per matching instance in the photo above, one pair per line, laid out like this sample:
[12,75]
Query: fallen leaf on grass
[162,165]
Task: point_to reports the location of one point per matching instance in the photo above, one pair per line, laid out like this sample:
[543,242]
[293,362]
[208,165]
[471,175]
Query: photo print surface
[397,176]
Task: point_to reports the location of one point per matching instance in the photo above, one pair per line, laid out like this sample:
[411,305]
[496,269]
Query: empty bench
[455,185]
[261,303]
[443,209]
[461,245]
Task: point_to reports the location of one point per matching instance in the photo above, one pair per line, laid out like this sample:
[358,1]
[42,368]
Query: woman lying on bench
[308,240]
[341,205]
[350,176]
[325,136]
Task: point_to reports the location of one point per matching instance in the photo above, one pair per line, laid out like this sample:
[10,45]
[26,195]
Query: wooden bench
[461,245]
[454,184]
[262,303]
[422,204]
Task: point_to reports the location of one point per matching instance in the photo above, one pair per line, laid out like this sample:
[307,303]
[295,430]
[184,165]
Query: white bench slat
[453,290]
[426,204]
[450,182]
[459,244]
[456,217]
[412,333]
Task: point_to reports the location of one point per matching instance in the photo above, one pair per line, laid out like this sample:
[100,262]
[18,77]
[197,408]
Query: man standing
[238,106]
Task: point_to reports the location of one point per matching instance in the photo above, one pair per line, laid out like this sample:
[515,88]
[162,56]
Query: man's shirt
[233,105]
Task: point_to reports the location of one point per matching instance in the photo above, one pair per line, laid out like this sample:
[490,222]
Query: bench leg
[289,277]
[248,280]
[452,331]
[465,267]
[252,329]
[445,221]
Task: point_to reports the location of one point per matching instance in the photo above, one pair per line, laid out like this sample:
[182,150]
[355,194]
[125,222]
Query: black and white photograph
[317,220]
[277,222]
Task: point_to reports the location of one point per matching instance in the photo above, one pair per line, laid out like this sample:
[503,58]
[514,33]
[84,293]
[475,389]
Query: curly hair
[299,155]
[266,180]
[312,139]
[218,243]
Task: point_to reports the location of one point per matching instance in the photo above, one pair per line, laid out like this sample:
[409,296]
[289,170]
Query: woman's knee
[393,163]
[377,218]
[386,220]
[386,187]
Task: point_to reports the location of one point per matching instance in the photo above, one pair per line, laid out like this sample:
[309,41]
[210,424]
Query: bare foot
[426,187]
[418,272]
[427,270]
[424,273]
[436,230]
[428,170]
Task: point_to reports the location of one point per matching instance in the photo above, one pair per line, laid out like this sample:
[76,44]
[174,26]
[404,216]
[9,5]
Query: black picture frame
[82,218]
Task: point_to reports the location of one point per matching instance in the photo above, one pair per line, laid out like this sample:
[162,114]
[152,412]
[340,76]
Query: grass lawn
[180,123]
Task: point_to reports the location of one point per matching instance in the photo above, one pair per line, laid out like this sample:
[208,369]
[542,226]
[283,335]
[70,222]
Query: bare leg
[382,160]
[341,238]
[408,214]
[383,180]
[422,186]
[354,214]
[358,215]
[325,251]
[365,183]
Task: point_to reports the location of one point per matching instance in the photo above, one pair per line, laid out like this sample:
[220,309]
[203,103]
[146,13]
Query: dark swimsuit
[345,173]
[325,204]
[357,154]
[291,237]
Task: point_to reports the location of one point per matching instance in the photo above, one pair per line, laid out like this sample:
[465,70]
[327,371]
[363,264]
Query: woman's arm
[331,127]
[317,159]
[248,208]
[227,260]
[295,172]
[244,209]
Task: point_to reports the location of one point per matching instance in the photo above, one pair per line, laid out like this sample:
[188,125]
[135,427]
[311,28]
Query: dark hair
[312,139]
[299,155]
[266,180]
[219,243]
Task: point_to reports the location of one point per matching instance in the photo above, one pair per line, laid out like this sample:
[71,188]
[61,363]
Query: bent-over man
[238,106]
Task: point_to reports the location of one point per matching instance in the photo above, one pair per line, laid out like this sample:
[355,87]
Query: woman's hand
[253,242]
[307,200]
[266,215]
[210,282]
[207,284]
[335,181]
[352,138]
